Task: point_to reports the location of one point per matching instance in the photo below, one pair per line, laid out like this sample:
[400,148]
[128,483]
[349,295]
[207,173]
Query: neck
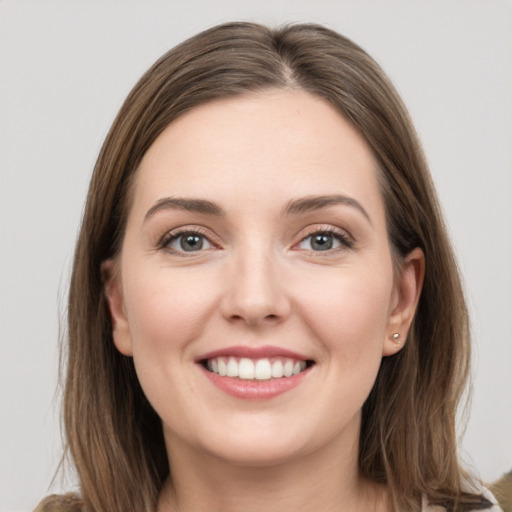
[325,480]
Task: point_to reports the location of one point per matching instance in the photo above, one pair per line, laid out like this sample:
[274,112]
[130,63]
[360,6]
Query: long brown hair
[408,437]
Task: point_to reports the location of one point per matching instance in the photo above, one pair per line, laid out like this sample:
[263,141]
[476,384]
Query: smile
[255,369]
[255,372]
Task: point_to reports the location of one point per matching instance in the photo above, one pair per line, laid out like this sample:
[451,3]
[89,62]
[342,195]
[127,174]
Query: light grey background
[67,65]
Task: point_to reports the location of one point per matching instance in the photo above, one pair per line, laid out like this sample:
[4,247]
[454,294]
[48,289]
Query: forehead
[285,141]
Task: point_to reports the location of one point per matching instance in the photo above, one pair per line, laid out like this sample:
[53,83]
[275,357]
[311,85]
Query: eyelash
[345,241]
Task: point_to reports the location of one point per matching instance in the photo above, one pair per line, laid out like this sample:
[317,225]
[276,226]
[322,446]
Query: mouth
[248,372]
[256,368]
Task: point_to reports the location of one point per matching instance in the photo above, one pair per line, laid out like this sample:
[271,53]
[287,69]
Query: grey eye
[321,241]
[189,242]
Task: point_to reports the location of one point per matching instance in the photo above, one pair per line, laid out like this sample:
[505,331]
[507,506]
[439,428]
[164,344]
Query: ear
[114,294]
[408,285]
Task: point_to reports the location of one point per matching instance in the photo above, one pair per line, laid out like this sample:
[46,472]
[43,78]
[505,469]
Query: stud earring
[395,338]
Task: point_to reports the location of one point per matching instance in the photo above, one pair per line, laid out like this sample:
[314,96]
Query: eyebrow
[191,205]
[293,207]
[311,203]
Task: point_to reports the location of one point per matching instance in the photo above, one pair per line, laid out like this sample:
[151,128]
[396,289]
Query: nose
[255,292]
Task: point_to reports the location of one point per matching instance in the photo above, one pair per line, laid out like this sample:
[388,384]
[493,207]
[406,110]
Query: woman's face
[255,287]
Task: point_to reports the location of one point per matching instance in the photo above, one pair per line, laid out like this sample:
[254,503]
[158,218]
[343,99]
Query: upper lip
[253,353]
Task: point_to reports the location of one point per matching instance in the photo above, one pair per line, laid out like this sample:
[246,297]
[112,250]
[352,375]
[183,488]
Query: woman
[265,312]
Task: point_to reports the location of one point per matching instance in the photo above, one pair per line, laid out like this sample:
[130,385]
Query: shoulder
[502,490]
[61,503]
[495,507]
[425,507]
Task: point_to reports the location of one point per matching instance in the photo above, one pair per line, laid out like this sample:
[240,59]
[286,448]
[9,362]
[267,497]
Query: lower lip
[255,389]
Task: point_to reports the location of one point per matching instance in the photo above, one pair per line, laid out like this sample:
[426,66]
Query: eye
[325,240]
[186,241]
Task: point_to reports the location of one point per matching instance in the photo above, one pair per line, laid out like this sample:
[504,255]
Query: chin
[256,455]
[246,441]
[269,443]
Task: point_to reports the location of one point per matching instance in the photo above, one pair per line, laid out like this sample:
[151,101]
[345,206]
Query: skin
[259,281]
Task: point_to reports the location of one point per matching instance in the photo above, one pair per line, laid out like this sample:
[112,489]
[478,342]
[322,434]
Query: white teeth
[222,367]
[259,369]
[262,370]
[246,369]
[277,369]
[288,368]
[232,368]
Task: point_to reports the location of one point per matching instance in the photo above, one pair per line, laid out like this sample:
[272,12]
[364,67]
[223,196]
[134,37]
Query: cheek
[349,311]
[167,312]
[166,309]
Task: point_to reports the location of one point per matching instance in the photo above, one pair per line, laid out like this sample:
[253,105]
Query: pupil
[322,242]
[191,243]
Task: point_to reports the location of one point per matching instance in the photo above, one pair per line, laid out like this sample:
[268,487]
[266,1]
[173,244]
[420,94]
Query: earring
[395,338]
